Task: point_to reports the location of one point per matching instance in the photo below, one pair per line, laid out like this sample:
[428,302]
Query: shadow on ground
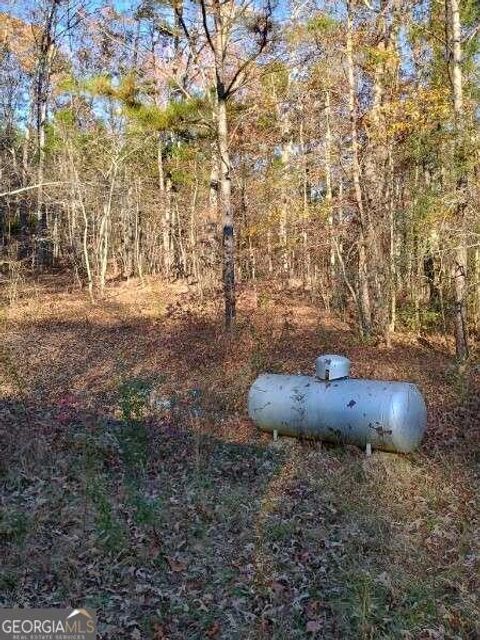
[169,532]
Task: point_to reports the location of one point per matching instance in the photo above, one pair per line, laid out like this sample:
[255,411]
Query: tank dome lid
[332,367]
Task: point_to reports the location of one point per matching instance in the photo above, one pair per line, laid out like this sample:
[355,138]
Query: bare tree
[461,253]
[236,33]
[364,293]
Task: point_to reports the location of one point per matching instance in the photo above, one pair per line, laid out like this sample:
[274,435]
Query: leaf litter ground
[133,482]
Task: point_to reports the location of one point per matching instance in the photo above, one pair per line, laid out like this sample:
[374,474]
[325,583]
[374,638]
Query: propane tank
[333,407]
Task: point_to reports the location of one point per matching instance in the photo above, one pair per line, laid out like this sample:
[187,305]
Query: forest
[197,192]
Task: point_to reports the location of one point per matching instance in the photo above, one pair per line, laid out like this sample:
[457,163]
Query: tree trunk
[164,185]
[461,254]
[226,212]
[364,293]
[334,283]
[43,75]
[284,207]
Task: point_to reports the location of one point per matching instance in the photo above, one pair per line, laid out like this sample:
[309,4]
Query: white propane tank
[333,407]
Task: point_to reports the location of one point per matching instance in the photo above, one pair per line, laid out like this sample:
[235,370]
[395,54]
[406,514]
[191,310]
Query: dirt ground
[134,483]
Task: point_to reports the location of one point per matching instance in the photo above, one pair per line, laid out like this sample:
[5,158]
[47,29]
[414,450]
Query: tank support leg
[368,449]
[275,435]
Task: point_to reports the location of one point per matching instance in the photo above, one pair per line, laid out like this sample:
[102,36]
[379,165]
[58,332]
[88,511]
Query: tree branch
[30,188]
[205,26]
[261,47]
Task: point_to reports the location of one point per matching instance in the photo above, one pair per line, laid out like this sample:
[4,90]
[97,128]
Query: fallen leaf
[278,587]
[213,631]
[176,565]
[312,609]
[159,632]
[314,625]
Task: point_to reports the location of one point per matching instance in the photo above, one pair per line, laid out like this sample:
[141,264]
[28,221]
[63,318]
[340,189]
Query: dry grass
[133,481]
